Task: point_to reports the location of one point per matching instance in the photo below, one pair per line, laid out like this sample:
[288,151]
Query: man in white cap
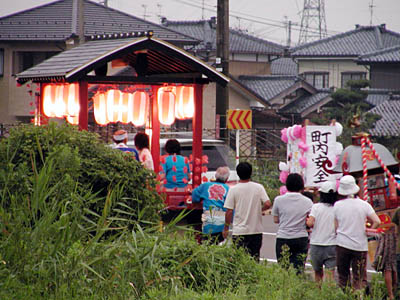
[351,214]
[120,139]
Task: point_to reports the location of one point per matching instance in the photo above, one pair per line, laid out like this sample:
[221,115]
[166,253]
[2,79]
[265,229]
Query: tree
[350,109]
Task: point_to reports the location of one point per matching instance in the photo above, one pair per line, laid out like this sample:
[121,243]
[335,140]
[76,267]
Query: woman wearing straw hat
[351,214]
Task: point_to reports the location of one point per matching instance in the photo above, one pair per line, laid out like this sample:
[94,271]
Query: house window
[1,62]
[26,60]
[318,80]
[346,76]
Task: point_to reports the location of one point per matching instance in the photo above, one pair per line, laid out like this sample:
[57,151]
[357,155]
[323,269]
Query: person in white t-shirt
[351,214]
[290,212]
[323,236]
[248,199]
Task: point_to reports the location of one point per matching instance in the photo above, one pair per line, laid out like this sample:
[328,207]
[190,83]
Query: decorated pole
[365,170]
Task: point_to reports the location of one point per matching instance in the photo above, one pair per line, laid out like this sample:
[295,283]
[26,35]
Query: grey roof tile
[304,102]
[378,96]
[387,55]
[283,66]
[362,40]
[54,21]
[239,42]
[389,124]
[267,87]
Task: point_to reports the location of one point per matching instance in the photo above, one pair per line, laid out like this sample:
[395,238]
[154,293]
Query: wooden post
[197,124]
[155,130]
[83,103]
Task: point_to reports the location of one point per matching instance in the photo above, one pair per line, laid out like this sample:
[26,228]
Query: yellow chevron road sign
[239,119]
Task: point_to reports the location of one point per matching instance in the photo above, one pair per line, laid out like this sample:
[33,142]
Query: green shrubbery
[78,221]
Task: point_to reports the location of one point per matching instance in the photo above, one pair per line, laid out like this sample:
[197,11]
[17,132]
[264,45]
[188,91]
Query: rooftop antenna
[371,10]
[202,10]
[144,11]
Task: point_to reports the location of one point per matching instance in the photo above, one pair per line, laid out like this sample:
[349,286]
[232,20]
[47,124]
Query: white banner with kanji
[321,155]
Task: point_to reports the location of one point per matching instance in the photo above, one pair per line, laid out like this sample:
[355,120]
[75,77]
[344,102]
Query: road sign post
[239,119]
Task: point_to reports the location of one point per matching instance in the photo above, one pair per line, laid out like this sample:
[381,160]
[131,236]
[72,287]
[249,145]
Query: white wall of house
[335,67]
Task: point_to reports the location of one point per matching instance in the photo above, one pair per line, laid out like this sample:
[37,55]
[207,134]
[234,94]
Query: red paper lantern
[113,105]
[49,100]
[184,108]
[166,106]
[139,104]
[73,106]
[100,109]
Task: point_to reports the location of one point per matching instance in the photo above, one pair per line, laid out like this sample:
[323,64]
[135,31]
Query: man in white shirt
[351,214]
[248,199]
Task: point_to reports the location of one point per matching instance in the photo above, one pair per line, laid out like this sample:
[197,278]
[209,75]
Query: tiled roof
[378,96]
[57,21]
[304,102]
[362,40]
[387,55]
[239,42]
[389,124]
[283,66]
[267,87]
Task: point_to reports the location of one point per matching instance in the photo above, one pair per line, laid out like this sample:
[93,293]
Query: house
[384,67]
[31,36]
[332,61]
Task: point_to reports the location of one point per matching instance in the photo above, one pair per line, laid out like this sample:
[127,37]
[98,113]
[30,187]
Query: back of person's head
[141,140]
[244,170]
[120,136]
[294,182]
[328,193]
[172,146]
[222,174]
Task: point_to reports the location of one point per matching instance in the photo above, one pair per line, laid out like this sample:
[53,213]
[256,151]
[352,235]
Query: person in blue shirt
[213,195]
[175,167]
[120,139]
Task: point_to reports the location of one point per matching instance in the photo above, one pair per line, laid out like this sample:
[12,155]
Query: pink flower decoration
[297,131]
[205,179]
[174,158]
[204,169]
[197,161]
[185,180]
[174,168]
[185,170]
[191,167]
[303,146]
[303,162]
[282,190]
[190,157]
[337,159]
[204,159]
[186,160]
[174,178]
[284,136]
[197,169]
[163,159]
[283,176]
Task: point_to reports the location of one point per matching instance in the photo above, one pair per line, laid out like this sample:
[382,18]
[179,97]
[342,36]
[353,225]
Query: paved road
[269,237]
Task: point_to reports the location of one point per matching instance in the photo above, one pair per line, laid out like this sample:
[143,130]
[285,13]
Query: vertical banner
[321,155]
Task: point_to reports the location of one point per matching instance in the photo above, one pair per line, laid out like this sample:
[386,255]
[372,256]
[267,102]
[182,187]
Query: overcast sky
[263,18]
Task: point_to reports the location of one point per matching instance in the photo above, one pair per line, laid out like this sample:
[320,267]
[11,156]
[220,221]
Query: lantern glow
[100,109]
[166,105]
[140,101]
[184,108]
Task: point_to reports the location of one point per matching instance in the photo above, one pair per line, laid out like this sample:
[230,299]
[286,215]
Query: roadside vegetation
[80,221]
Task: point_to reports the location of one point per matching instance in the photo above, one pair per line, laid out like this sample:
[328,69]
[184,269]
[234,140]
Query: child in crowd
[142,145]
[323,236]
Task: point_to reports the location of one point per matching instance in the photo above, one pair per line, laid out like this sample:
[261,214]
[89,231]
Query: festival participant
[248,199]
[120,139]
[323,236]
[175,167]
[142,144]
[351,214]
[290,212]
[213,195]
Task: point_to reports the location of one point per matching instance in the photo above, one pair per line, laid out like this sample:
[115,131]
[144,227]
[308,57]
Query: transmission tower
[313,22]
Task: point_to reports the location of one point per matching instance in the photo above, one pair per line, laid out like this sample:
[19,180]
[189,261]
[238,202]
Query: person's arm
[267,205]
[374,220]
[196,193]
[276,219]
[228,221]
[310,221]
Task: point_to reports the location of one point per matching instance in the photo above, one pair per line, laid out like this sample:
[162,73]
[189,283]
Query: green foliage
[81,163]
[349,108]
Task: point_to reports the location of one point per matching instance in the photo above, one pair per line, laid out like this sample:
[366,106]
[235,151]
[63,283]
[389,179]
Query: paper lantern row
[62,100]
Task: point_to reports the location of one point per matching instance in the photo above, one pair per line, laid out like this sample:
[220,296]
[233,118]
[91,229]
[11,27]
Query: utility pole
[289,37]
[222,62]
[371,9]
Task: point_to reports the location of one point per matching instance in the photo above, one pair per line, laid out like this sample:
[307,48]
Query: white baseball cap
[328,187]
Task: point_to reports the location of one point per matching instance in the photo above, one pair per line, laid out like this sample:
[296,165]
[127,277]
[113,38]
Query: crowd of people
[332,231]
